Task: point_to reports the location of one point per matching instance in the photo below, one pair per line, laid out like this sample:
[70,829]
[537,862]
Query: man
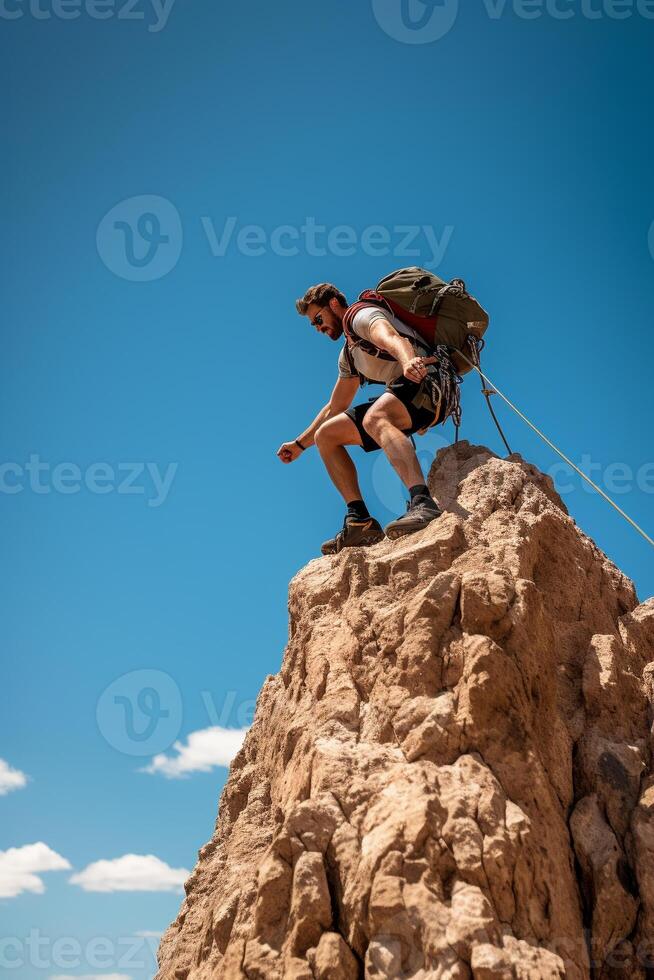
[383,350]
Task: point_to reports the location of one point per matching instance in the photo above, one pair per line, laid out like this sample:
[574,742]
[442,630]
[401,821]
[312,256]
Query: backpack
[442,313]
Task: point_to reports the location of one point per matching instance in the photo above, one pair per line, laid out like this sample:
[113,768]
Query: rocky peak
[450,777]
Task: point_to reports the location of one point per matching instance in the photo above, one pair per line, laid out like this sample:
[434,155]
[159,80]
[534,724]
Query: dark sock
[420,495]
[358,510]
[420,490]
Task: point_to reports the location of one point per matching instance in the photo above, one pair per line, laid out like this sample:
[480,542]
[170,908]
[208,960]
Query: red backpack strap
[353,340]
[348,319]
[424,326]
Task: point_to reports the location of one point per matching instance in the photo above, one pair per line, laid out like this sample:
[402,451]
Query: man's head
[324,305]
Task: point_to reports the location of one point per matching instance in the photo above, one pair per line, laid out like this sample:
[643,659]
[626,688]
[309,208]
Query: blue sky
[154,363]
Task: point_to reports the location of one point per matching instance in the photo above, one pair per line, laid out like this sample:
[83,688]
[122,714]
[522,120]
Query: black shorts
[413,397]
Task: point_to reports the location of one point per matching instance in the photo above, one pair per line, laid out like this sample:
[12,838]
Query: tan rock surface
[451,776]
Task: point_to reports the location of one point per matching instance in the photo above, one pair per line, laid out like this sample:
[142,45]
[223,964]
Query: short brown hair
[321,295]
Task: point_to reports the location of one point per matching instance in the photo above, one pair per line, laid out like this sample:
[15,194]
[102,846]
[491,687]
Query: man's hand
[415,369]
[289,451]
[385,336]
[342,397]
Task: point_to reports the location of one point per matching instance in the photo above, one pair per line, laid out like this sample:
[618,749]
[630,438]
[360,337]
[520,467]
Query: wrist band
[298,443]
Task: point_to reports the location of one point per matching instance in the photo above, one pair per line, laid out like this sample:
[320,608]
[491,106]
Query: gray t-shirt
[376,369]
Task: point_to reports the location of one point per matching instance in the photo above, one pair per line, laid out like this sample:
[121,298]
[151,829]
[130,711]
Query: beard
[334,331]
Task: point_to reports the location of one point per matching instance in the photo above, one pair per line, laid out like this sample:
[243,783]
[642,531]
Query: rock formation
[450,777]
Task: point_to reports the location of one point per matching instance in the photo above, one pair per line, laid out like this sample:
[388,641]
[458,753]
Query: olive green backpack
[441,312]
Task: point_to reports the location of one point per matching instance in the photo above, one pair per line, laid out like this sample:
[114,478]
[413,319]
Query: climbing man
[381,349]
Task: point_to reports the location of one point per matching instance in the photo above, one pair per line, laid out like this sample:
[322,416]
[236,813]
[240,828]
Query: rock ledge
[451,775]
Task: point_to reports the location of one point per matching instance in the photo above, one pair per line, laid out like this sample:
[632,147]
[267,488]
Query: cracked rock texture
[451,775]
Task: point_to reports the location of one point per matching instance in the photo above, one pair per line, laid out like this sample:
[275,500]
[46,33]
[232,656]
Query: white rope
[524,418]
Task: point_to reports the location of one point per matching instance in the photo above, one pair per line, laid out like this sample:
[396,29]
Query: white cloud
[204,750]
[148,934]
[131,873]
[10,779]
[20,868]
[91,976]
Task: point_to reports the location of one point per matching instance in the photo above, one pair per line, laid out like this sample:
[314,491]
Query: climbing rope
[486,381]
[476,345]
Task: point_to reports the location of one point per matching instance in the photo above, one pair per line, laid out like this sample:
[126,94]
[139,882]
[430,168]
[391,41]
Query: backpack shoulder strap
[353,340]
[348,320]
[350,362]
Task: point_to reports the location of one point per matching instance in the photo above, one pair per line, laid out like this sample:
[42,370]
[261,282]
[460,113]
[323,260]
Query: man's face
[325,321]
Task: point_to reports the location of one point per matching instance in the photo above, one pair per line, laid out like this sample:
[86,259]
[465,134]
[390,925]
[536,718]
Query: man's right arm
[342,397]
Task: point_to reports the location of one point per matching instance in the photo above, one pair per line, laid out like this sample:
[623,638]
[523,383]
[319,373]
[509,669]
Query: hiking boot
[355,534]
[420,512]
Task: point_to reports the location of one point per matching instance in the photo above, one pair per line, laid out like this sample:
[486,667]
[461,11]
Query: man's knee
[382,417]
[329,434]
[374,422]
[321,436]
[369,423]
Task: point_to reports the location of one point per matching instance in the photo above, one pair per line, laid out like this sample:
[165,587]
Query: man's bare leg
[331,439]
[385,422]
[359,529]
